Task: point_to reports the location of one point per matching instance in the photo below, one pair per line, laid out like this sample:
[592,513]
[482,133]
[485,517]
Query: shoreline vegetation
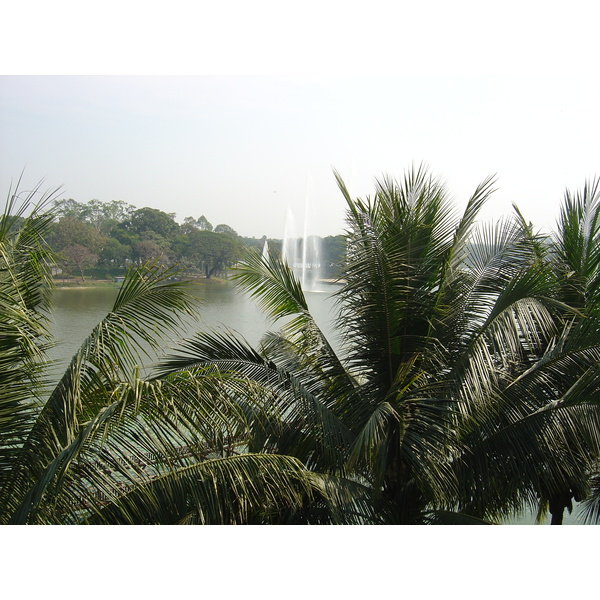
[97,283]
[101,240]
[78,284]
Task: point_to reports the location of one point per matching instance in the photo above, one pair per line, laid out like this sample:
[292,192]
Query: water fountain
[303,254]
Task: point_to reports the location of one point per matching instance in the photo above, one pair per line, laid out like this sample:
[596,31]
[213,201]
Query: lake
[78,310]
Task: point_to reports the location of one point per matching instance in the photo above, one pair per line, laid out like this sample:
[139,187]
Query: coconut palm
[574,252]
[461,390]
[105,444]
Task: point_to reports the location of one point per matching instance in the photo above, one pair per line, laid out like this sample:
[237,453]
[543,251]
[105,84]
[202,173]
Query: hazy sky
[514,94]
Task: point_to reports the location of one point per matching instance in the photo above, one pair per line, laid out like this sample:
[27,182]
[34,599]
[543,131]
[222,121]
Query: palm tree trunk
[557,517]
[557,504]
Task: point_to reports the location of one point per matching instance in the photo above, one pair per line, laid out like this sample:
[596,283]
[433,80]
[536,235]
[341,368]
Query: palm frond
[248,488]
[25,285]
[444,517]
[300,418]
[148,306]
[272,283]
[576,244]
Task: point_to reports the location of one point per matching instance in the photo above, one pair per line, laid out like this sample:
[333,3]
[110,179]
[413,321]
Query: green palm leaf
[299,418]
[148,306]
[25,284]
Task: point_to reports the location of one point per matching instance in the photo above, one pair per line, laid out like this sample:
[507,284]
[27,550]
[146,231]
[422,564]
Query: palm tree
[461,392]
[574,253]
[106,445]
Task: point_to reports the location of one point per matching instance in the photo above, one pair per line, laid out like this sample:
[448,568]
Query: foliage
[114,253]
[104,445]
[80,257]
[465,388]
[204,224]
[102,216]
[24,299]
[117,234]
[151,219]
[120,235]
[223,228]
[333,249]
[70,231]
[76,242]
[207,251]
[574,252]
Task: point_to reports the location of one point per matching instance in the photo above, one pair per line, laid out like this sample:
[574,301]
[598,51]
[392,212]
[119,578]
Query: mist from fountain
[303,254]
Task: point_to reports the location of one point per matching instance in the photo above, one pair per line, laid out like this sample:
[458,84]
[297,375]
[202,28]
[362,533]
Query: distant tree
[152,219]
[79,256]
[224,252]
[259,243]
[103,216]
[148,250]
[70,230]
[252,242]
[115,253]
[207,251]
[125,236]
[333,251]
[183,249]
[275,246]
[204,224]
[118,210]
[189,225]
[223,228]
[76,243]
[69,208]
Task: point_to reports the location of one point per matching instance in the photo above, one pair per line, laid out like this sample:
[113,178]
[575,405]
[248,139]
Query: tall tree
[207,251]
[80,257]
[204,224]
[152,219]
[223,228]
[574,253]
[69,231]
[460,393]
[114,253]
[103,216]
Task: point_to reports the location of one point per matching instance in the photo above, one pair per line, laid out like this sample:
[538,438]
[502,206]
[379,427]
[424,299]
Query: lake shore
[78,284]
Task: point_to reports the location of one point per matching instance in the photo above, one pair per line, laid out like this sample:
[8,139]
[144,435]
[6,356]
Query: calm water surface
[77,311]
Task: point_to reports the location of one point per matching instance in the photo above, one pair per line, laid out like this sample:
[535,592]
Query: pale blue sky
[264,112]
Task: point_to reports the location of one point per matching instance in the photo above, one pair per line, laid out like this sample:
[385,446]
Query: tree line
[103,239]
[465,388]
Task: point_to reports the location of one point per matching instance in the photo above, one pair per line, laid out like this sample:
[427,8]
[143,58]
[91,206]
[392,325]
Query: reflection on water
[75,312]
